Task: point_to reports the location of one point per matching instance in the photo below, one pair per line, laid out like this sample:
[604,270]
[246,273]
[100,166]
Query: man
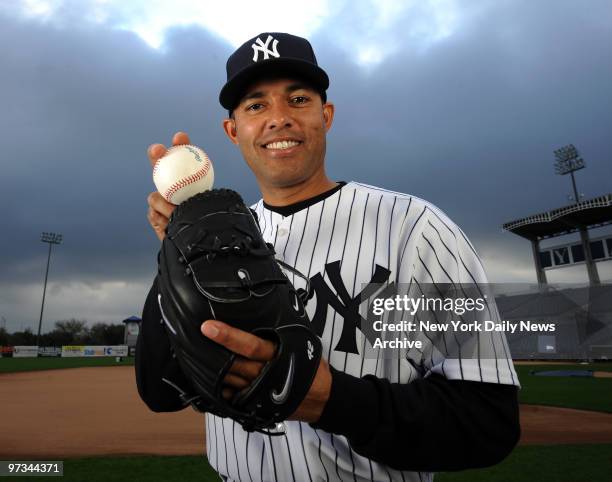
[368,415]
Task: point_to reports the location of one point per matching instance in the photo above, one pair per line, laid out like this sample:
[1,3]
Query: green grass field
[563,463]
[571,392]
[560,463]
[8,365]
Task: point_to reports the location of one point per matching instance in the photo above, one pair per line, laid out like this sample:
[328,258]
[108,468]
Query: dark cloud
[468,122]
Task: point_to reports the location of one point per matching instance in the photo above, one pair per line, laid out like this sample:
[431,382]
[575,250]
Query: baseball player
[370,414]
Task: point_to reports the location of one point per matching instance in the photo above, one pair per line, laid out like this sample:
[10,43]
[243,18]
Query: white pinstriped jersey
[361,227]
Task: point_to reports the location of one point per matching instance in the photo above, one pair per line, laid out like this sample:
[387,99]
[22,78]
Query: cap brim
[233,90]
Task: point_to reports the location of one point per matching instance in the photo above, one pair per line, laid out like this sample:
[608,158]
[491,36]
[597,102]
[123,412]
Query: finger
[238,341]
[156,219]
[228,393]
[158,223]
[157,202]
[246,369]
[155,151]
[180,138]
[235,381]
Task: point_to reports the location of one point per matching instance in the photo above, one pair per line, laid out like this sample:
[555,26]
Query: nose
[279,116]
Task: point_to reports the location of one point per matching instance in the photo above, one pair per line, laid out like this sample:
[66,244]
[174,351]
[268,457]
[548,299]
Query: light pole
[51,238]
[567,161]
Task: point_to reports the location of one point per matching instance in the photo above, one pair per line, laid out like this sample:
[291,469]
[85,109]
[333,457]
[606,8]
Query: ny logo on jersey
[345,305]
[259,46]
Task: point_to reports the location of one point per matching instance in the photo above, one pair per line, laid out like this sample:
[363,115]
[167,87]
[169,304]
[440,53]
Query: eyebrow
[258,94]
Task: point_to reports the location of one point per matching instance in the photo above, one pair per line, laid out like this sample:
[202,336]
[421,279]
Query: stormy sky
[460,102]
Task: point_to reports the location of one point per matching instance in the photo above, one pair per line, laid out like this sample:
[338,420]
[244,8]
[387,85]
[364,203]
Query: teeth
[281,145]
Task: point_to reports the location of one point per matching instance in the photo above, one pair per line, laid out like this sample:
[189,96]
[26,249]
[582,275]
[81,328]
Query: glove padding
[214,264]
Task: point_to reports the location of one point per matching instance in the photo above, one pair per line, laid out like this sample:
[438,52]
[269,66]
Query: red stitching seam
[171,191]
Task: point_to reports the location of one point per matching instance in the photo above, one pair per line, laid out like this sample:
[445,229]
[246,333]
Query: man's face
[280,127]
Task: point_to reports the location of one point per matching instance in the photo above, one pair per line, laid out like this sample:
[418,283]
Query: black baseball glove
[214,264]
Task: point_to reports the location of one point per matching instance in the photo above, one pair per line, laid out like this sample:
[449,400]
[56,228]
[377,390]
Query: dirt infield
[550,425]
[97,411]
[89,411]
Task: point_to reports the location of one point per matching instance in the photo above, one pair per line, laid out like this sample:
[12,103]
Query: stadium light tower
[51,238]
[567,162]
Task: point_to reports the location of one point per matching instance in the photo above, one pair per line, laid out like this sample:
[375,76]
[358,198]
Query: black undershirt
[431,424]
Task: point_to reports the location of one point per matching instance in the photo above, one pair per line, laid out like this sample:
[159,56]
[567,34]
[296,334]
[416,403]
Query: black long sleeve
[154,361]
[432,424]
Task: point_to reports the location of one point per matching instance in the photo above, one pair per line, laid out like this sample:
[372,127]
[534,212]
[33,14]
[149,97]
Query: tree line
[67,332]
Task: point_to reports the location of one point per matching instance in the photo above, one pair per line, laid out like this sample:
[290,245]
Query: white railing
[598,202]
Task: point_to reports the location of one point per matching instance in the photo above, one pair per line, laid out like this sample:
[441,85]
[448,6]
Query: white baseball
[183,172]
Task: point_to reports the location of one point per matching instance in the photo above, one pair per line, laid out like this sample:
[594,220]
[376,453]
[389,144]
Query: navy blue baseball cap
[271,54]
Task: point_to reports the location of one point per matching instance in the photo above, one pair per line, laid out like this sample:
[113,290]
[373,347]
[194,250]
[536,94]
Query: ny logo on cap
[259,46]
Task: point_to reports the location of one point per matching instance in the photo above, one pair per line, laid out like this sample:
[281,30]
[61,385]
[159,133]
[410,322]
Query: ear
[328,115]
[229,126]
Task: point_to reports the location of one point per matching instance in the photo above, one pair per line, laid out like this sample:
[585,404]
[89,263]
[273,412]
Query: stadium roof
[568,219]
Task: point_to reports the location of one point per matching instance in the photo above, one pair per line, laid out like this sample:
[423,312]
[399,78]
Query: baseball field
[86,412]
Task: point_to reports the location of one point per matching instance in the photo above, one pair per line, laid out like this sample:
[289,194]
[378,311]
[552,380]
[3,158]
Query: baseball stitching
[178,185]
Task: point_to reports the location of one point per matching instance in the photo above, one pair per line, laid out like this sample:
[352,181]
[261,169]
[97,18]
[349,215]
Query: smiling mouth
[282,145]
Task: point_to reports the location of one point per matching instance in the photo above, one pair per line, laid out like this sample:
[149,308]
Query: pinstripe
[295,263]
[247,456]
[288,236]
[399,270]
[297,253]
[331,438]
[227,471]
[273,458]
[209,442]
[290,459]
[304,451]
[374,251]
[216,444]
[324,274]
[388,264]
[408,234]
[235,450]
[439,293]
[263,451]
[431,342]
[314,248]
[357,254]
[374,188]
[263,220]
[348,225]
[320,456]
[390,230]
[489,311]
[457,343]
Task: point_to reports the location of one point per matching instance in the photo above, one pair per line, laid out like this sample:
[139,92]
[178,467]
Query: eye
[254,107]
[299,99]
